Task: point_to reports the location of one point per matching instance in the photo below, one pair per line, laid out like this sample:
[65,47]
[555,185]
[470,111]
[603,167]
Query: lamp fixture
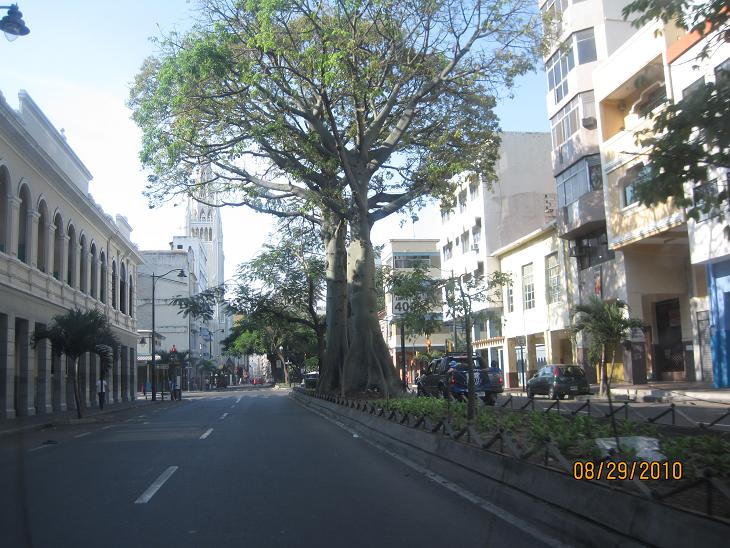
[12,24]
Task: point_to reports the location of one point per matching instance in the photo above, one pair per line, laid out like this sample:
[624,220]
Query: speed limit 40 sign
[400,305]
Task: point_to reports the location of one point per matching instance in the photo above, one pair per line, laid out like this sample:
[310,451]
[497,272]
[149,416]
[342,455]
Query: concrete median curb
[596,514]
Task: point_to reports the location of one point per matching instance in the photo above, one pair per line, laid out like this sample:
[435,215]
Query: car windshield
[463,365]
[571,371]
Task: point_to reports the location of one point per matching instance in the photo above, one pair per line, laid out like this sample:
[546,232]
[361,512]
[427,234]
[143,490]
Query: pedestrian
[101,388]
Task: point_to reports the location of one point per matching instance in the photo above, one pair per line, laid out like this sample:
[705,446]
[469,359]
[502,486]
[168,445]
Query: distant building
[489,215]
[404,254]
[58,251]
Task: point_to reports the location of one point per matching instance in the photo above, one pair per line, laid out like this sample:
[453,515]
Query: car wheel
[552,394]
[530,394]
[444,392]
[489,399]
[420,392]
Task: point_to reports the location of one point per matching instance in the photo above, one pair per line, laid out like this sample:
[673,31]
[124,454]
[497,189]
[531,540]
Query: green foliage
[703,452]
[77,332]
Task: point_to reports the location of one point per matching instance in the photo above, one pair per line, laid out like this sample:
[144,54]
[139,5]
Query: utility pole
[403,352]
[454,319]
[471,395]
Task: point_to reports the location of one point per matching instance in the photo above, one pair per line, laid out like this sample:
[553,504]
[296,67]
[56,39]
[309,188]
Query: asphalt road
[235,469]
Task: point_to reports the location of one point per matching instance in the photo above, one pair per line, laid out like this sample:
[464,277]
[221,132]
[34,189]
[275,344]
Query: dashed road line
[224,415]
[238,399]
[82,435]
[206,434]
[145,497]
[37,448]
[107,427]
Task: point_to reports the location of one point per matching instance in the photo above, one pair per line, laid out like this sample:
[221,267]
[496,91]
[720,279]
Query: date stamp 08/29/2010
[627,470]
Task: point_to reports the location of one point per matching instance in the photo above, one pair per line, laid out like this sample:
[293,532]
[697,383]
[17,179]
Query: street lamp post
[181,274]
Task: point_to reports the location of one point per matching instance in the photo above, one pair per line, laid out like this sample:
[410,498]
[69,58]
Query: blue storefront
[718,287]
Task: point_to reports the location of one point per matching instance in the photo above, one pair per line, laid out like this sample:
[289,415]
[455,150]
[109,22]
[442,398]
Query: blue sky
[77,64]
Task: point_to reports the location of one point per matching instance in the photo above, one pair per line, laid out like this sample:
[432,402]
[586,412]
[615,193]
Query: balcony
[584,215]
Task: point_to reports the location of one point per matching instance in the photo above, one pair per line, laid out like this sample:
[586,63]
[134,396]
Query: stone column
[85,260]
[133,374]
[511,375]
[13,233]
[43,402]
[7,365]
[31,243]
[25,370]
[58,365]
[93,375]
[84,379]
[50,244]
[115,388]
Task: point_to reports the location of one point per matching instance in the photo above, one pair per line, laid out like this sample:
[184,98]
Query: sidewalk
[21,424]
[659,392]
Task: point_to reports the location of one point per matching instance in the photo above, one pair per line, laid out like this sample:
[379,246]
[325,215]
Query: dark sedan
[448,375]
[558,381]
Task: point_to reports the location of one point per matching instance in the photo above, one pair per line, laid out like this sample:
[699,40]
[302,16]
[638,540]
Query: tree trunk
[602,366]
[77,393]
[368,364]
[336,343]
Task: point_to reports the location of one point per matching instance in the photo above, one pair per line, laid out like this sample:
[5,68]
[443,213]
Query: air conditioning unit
[589,122]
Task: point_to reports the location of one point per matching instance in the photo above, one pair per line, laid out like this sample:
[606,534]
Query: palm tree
[75,333]
[608,325]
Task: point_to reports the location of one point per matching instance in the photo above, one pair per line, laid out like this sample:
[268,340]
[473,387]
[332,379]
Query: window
[579,179]
[510,298]
[557,68]
[592,250]
[651,98]
[564,124]
[634,177]
[705,197]
[528,287]
[476,234]
[722,73]
[585,44]
[444,215]
[693,87]
[448,250]
[465,242]
[462,202]
[473,191]
[552,278]
[411,261]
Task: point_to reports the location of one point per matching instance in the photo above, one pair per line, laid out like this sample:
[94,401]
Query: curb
[63,421]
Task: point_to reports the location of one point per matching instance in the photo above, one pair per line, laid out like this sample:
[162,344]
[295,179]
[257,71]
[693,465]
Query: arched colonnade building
[58,251]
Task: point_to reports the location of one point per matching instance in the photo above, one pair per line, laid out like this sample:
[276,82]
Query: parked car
[310,380]
[558,381]
[449,375]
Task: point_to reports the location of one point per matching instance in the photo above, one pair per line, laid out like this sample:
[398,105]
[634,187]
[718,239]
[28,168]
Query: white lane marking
[485,505]
[146,422]
[224,415]
[232,406]
[82,435]
[207,433]
[107,427]
[37,448]
[145,497]
[238,399]
[141,416]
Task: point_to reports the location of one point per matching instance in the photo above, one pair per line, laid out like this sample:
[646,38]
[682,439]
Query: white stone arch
[72,255]
[25,208]
[94,262]
[58,237]
[83,250]
[42,234]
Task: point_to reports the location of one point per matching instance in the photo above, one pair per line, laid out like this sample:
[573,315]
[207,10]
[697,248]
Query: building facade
[58,251]
[536,315]
[487,216]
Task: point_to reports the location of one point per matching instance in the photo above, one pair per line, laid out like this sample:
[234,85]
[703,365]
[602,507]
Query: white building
[536,319]
[521,199]
[58,251]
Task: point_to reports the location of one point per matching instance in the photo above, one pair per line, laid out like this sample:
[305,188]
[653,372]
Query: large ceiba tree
[347,111]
